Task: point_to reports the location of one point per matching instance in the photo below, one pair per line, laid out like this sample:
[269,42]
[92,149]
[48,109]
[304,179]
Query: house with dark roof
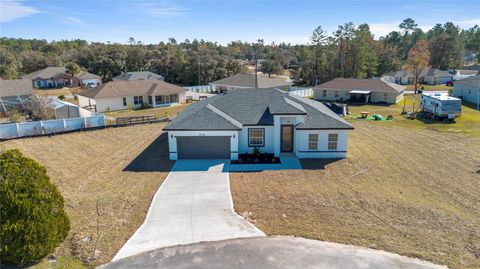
[57,77]
[123,94]
[271,120]
[138,76]
[245,81]
[359,91]
[15,95]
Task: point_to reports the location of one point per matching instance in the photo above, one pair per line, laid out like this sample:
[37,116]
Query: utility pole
[256,72]
[198,70]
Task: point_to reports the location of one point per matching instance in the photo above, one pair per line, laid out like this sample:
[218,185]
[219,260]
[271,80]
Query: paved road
[270,253]
[192,205]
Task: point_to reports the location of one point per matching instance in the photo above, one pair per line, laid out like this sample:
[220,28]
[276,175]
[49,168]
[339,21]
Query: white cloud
[11,10]
[163,10]
[468,23]
[72,20]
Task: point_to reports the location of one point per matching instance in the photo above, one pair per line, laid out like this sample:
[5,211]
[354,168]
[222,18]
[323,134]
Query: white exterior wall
[172,141]
[322,151]
[466,92]
[344,95]
[269,140]
[83,101]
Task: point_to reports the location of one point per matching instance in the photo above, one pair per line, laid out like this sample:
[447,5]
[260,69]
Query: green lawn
[466,123]
[61,263]
[170,111]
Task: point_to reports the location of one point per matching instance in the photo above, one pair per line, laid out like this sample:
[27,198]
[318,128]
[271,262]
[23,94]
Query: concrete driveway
[269,253]
[192,205]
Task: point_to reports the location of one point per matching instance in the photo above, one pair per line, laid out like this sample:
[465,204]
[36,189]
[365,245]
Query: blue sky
[221,20]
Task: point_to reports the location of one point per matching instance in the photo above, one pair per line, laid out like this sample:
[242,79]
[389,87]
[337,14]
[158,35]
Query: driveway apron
[193,204]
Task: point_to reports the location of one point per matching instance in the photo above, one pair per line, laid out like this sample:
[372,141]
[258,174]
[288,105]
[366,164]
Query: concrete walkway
[192,205]
[270,253]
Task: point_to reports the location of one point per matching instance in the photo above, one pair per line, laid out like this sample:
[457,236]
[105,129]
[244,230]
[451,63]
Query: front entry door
[286,138]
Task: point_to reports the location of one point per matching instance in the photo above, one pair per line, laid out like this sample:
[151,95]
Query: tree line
[351,51]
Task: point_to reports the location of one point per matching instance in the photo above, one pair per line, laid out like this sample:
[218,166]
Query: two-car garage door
[203,147]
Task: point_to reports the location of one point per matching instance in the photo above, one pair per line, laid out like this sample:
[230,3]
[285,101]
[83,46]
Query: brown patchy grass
[170,111]
[89,167]
[410,191]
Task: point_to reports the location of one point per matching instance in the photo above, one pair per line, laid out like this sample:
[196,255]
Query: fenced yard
[37,128]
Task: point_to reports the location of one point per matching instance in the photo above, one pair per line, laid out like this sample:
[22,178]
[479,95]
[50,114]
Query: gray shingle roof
[53,71]
[138,76]
[122,88]
[15,87]
[255,107]
[248,81]
[361,84]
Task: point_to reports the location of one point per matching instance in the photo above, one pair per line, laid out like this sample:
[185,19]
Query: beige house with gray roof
[359,91]
[124,94]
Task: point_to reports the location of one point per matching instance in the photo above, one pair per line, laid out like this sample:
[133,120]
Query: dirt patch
[105,200]
[402,190]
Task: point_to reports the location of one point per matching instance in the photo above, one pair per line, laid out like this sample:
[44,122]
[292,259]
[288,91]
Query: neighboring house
[461,74]
[271,120]
[399,77]
[433,76]
[428,75]
[359,90]
[57,77]
[468,89]
[138,76]
[245,81]
[470,59]
[15,95]
[118,95]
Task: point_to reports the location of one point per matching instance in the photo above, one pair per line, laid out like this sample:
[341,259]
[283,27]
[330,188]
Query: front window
[160,99]
[324,93]
[332,141]
[312,141]
[124,101]
[256,137]
[336,94]
[385,96]
[138,100]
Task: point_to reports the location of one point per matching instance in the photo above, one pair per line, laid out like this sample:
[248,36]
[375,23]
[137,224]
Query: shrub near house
[32,217]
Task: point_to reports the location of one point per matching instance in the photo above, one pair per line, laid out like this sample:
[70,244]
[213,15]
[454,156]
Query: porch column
[276,136]
[153,101]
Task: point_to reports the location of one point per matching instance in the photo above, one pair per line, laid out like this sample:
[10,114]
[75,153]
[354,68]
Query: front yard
[160,112]
[410,191]
[108,178]
[466,123]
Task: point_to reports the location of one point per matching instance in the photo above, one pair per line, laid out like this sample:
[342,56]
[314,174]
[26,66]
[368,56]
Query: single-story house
[359,90]
[15,95]
[271,120]
[245,81]
[57,77]
[428,75]
[468,89]
[433,76]
[459,74]
[123,94]
[138,76]
[399,77]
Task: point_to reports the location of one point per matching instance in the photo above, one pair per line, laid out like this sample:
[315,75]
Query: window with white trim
[336,94]
[138,100]
[332,141]
[124,100]
[256,137]
[324,93]
[313,141]
[385,96]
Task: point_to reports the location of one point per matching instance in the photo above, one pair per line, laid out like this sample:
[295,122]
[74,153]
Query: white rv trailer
[441,105]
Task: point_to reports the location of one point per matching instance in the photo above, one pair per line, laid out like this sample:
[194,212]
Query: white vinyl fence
[33,128]
[302,92]
[199,88]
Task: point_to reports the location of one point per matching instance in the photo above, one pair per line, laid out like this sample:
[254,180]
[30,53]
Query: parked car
[449,83]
